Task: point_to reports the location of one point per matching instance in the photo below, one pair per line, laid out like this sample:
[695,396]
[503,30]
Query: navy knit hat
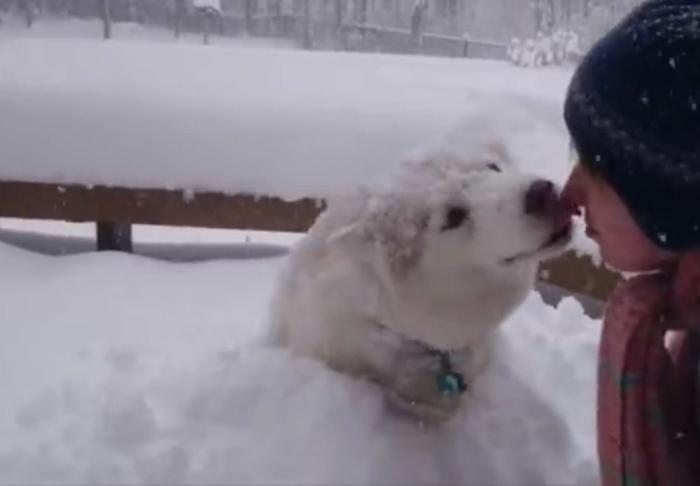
[633,110]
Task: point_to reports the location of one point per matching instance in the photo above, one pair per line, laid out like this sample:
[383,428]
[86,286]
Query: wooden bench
[115,209]
[231,120]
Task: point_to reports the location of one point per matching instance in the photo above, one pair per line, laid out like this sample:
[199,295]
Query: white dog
[405,285]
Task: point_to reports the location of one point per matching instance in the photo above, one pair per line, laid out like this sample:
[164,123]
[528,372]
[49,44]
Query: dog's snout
[541,198]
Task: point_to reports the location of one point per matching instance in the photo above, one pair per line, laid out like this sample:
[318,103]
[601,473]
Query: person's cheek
[569,189]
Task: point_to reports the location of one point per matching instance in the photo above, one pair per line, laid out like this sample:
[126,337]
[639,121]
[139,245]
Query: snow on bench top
[270,122]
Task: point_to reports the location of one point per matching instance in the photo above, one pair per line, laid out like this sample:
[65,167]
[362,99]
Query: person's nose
[572,196]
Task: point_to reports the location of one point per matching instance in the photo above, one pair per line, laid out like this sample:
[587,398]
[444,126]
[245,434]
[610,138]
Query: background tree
[180,9]
[106,16]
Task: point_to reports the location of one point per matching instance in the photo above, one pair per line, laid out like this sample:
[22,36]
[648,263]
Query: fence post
[465,48]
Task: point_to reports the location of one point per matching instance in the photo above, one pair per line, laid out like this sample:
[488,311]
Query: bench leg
[114,236]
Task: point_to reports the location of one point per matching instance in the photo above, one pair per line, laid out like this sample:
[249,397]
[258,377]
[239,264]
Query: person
[633,112]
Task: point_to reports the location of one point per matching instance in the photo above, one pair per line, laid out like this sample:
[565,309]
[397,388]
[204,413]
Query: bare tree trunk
[308,34]
[539,15]
[551,16]
[587,8]
[274,12]
[362,12]
[469,14]
[210,17]
[207,28]
[248,13]
[339,9]
[106,15]
[417,23]
[544,16]
[338,21]
[27,9]
[179,17]
[29,13]
[566,11]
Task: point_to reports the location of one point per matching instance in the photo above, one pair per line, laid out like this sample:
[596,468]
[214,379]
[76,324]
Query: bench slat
[155,206]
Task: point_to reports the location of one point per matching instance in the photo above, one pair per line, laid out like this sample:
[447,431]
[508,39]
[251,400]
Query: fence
[308,32]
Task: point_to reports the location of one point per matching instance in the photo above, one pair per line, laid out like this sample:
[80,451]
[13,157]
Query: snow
[265,121]
[117,369]
[180,244]
[585,246]
[213,4]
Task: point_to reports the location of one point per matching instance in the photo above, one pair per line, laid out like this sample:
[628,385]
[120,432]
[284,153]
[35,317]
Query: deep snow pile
[281,122]
[118,369]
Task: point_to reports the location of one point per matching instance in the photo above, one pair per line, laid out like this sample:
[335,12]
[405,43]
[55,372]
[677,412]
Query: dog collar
[449,381]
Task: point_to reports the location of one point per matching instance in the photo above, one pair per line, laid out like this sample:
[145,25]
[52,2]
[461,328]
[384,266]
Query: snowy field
[119,369]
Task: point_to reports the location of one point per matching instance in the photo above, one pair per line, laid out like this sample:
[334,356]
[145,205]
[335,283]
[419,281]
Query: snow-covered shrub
[560,47]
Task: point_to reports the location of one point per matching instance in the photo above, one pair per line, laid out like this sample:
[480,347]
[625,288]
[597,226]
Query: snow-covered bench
[125,133]
[115,209]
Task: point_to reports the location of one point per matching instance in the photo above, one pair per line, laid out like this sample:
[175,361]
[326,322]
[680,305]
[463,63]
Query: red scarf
[647,410]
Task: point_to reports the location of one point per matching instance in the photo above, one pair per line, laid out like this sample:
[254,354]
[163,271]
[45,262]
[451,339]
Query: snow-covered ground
[162,242]
[118,369]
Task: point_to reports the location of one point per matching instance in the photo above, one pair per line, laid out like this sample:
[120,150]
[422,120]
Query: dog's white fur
[378,282]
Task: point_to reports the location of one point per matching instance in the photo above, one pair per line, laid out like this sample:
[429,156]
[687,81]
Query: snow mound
[264,121]
[121,370]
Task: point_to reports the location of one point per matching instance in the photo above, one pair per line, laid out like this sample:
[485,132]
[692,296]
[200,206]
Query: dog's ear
[396,226]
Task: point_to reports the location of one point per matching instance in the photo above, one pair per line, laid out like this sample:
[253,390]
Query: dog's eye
[494,167]
[454,217]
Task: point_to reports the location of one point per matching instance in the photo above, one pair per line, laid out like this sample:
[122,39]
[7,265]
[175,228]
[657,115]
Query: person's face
[608,222]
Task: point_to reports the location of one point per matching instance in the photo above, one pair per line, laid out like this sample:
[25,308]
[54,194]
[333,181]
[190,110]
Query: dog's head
[449,211]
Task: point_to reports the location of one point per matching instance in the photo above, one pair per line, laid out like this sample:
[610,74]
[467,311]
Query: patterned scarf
[648,368]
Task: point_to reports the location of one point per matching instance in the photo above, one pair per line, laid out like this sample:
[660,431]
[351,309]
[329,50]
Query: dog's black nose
[541,198]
